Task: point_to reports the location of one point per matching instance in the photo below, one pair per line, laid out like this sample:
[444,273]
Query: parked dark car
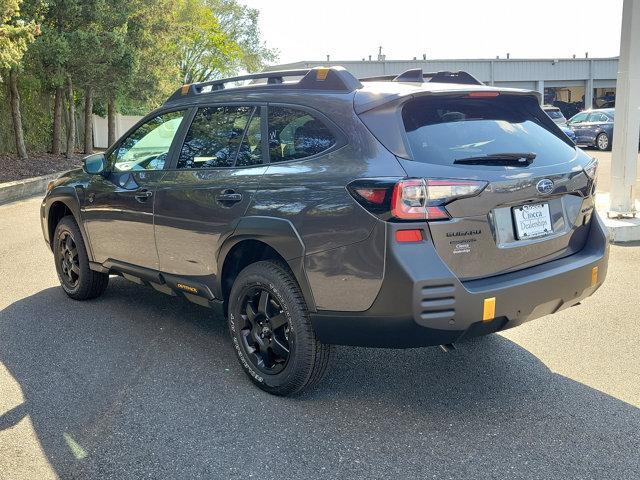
[315,209]
[593,128]
[555,114]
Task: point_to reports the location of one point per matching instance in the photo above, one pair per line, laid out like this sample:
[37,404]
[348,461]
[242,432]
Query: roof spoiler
[418,76]
[317,78]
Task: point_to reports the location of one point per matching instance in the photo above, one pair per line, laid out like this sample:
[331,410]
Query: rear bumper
[423,303]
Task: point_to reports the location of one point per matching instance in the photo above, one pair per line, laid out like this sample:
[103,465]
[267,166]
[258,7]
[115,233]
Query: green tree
[217,38]
[15,36]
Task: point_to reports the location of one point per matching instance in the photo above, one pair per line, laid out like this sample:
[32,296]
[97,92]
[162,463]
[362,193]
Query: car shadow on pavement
[139,384]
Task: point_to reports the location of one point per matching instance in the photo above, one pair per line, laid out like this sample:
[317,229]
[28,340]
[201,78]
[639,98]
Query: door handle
[229,196]
[142,195]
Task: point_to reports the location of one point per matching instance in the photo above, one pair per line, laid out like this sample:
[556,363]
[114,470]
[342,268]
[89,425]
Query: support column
[624,163]
[540,88]
[588,88]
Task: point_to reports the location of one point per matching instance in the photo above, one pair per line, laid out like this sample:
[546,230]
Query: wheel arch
[262,238]
[59,205]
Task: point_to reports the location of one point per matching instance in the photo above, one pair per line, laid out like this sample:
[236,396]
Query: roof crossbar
[417,75]
[317,78]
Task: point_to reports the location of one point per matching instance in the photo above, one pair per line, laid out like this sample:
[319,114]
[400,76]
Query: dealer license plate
[532,221]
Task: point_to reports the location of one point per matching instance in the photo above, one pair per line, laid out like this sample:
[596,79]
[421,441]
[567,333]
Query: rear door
[118,207]
[208,187]
[577,123]
[594,125]
[528,213]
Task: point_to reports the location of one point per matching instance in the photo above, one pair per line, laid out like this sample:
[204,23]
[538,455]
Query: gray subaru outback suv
[312,208]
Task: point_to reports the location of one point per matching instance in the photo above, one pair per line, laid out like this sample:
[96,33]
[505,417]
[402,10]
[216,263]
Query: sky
[352,30]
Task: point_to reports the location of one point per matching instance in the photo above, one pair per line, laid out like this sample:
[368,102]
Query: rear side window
[441,129]
[294,134]
[214,137]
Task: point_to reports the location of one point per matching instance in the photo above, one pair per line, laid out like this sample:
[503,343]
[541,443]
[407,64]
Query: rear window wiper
[513,159]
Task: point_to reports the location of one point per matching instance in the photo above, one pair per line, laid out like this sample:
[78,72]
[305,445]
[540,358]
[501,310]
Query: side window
[250,152]
[214,137]
[295,134]
[147,147]
[578,118]
[594,117]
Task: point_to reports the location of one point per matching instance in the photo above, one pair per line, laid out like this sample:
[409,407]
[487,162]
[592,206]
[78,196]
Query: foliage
[15,34]
[133,52]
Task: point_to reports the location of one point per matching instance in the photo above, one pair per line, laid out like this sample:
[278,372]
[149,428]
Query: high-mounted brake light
[424,199]
[482,94]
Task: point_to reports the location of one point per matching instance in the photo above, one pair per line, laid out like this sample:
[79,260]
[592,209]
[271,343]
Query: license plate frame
[532,220]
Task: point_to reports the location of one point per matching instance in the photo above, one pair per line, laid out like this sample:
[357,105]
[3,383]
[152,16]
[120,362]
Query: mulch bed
[12,168]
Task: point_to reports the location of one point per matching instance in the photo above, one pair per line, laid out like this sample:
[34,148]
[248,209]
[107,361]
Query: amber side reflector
[184,90]
[321,74]
[594,276]
[409,235]
[489,309]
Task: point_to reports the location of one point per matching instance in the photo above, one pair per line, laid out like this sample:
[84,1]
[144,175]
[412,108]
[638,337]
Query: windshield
[444,129]
[555,114]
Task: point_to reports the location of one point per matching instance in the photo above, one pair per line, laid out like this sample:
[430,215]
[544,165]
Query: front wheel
[72,263]
[602,142]
[271,331]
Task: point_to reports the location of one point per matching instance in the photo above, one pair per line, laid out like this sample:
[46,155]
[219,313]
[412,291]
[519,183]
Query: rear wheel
[602,142]
[271,331]
[72,263]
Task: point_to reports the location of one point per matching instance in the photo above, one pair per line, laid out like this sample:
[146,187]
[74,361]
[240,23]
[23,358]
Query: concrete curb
[25,188]
[621,230]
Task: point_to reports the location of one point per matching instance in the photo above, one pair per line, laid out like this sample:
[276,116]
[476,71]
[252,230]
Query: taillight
[416,199]
[412,198]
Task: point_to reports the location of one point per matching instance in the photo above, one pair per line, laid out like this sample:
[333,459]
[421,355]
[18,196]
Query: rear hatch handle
[523,159]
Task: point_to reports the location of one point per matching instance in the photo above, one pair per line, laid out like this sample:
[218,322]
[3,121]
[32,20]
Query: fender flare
[67,195]
[278,233]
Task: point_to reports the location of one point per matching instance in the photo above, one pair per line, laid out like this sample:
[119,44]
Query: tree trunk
[16,116]
[88,127]
[57,122]
[111,122]
[71,132]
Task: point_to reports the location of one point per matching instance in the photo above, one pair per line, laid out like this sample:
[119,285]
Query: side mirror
[95,164]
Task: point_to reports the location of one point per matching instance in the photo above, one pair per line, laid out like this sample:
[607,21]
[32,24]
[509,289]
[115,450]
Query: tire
[72,263]
[603,142]
[277,348]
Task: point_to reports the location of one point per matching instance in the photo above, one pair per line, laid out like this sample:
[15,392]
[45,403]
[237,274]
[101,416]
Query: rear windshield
[555,114]
[444,129]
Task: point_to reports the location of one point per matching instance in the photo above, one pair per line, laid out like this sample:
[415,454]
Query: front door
[208,189]
[118,207]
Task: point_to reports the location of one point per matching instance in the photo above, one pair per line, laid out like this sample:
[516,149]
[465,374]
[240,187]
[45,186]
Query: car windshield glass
[443,129]
[555,114]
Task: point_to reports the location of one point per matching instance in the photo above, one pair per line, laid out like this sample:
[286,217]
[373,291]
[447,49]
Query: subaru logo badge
[545,186]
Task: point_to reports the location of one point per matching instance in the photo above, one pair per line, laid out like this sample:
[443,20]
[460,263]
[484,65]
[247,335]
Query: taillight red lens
[373,195]
[409,199]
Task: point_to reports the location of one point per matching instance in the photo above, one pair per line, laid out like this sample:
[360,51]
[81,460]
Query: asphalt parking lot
[138,384]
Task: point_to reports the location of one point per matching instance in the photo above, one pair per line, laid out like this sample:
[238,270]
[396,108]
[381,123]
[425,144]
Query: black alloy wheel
[265,331]
[68,260]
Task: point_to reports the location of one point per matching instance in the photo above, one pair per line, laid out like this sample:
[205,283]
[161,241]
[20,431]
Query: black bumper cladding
[422,303]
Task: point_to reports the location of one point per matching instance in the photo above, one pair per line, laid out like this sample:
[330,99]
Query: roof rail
[417,75]
[317,78]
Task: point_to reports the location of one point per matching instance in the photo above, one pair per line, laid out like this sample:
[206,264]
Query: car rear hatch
[534,198]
